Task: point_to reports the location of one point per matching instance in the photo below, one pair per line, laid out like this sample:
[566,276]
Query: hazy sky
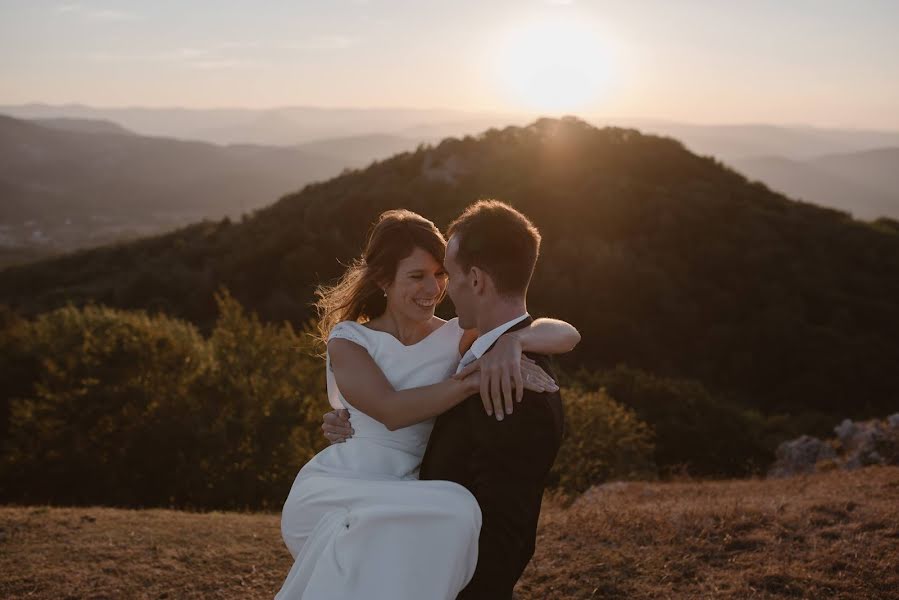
[819,62]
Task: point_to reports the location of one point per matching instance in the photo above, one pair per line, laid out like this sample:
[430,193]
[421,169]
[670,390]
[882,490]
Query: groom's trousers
[504,464]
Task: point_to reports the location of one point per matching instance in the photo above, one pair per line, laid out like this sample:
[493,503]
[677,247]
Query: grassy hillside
[832,535]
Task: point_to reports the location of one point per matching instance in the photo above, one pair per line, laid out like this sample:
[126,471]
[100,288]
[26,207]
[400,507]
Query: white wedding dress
[358,522]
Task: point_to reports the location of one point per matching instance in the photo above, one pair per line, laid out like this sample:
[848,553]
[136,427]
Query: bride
[357,521]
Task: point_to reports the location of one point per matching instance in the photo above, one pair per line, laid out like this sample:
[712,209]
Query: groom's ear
[478,279]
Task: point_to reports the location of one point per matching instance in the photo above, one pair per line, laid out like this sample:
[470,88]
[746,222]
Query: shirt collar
[480,345]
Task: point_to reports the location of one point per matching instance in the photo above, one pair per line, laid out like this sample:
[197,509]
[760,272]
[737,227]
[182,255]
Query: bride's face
[418,286]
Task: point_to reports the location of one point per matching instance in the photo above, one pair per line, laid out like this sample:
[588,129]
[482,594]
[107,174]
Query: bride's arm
[547,336]
[365,386]
[542,336]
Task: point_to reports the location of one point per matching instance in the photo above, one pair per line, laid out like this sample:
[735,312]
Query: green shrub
[604,440]
[112,392]
[125,408]
[269,389]
[694,431]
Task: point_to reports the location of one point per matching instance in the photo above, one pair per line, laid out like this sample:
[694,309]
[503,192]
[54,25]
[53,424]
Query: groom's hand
[336,426]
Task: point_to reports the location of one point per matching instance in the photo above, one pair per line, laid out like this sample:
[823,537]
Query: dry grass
[833,535]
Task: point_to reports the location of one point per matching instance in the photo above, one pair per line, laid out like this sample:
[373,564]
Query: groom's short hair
[498,239]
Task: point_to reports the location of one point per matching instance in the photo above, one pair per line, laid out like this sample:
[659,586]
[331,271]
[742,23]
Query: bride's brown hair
[359,295]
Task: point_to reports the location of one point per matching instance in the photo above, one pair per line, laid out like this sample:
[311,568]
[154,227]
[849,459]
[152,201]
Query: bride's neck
[405,330]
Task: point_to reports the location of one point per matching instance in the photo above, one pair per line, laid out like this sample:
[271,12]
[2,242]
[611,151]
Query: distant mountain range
[97,168]
[865,184]
[729,142]
[357,151]
[296,125]
[69,183]
[286,126]
[83,125]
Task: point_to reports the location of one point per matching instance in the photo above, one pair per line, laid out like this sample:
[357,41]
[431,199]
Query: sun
[552,66]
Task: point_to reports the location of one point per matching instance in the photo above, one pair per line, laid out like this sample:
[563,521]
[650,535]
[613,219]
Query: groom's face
[459,287]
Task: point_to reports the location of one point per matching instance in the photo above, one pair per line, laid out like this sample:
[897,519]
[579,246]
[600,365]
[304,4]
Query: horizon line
[484,112]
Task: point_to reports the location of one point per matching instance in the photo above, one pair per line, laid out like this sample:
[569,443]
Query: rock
[448,171]
[893,421]
[852,463]
[800,456]
[861,448]
[860,443]
[845,431]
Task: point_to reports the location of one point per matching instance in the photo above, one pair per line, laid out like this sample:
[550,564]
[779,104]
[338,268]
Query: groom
[490,258]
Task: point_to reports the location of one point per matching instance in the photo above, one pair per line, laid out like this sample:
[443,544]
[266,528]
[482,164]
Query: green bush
[112,390]
[127,408]
[268,385]
[604,440]
[694,431]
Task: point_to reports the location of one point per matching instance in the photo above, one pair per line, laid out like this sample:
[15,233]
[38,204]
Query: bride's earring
[385,292]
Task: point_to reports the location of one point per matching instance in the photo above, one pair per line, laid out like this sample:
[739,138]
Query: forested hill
[665,260]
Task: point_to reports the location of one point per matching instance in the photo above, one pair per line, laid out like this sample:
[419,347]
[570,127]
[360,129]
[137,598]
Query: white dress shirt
[480,345]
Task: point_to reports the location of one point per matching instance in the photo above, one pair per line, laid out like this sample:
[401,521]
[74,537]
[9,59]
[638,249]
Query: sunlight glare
[552,66]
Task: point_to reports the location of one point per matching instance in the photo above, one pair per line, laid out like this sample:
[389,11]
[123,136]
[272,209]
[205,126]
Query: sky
[827,63]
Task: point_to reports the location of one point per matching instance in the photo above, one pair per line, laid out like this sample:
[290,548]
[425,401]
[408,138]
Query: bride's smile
[418,287]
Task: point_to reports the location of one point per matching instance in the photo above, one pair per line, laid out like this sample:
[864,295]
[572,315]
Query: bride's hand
[500,373]
[535,378]
[502,376]
[336,426]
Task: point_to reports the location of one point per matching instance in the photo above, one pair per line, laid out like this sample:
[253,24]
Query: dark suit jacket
[504,464]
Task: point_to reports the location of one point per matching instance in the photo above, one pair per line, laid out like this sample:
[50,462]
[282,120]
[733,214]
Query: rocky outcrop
[801,456]
[447,171]
[857,444]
